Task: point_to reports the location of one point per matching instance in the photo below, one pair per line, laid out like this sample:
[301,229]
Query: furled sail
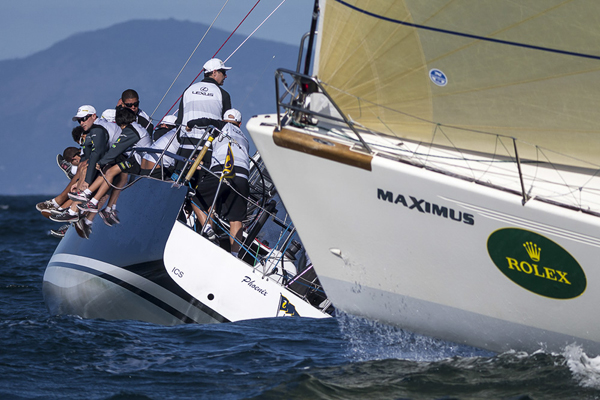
[470,69]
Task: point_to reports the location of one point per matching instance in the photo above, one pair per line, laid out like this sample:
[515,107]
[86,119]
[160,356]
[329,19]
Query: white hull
[228,285]
[394,259]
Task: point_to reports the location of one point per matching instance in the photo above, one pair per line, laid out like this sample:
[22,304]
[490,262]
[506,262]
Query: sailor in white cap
[109,114]
[165,125]
[97,136]
[205,99]
[167,141]
[95,145]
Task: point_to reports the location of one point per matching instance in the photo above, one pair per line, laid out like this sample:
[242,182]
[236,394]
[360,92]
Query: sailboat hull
[119,272]
[152,267]
[435,254]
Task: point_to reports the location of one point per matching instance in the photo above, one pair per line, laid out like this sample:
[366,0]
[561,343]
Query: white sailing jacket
[145,140]
[113,129]
[162,143]
[201,100]
[239,147]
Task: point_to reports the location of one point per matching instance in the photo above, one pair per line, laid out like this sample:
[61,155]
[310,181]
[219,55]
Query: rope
[119,188]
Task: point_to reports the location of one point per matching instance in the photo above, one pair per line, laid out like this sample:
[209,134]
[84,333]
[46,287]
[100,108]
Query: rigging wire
[217,52]
[180,72]
[256,82]
[254,31]
[188,60]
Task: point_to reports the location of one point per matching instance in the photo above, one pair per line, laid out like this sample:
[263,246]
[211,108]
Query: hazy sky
[28,26]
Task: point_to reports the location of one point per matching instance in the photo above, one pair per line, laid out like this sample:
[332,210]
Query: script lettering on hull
[252,284]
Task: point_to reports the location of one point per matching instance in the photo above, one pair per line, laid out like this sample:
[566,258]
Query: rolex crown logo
[533,250]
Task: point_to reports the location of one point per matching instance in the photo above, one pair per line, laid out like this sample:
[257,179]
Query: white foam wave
[585,369]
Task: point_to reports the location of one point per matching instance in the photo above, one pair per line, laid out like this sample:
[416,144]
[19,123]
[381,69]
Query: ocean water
[66,357]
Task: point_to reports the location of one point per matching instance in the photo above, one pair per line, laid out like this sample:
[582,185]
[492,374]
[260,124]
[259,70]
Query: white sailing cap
[83,111]
[214,64]
[109,114]
[169,120]
[232,115]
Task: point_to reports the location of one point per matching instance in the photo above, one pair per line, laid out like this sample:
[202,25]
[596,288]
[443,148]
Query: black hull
[119,273]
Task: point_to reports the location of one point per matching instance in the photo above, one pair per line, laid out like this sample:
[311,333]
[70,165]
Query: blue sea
[65,357]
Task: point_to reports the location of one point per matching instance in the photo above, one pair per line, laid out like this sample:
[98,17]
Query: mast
[311,39]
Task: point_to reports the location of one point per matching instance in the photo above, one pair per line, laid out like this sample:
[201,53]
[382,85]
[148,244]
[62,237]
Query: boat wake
[585,369]
[369,340]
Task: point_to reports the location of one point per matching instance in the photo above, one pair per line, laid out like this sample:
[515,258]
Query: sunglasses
[83,119]
[129,105]
[223,71]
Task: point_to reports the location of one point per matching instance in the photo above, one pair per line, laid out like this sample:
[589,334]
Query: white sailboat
[441,165]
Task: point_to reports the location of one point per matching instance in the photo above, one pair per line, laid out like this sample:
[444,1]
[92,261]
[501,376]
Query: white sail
[460,72]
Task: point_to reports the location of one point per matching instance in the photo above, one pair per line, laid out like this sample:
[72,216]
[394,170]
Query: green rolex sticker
[536,263]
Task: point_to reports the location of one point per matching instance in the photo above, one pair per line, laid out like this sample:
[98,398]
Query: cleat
[65,217]
[106,217]
[79,196]
[45,205]
[89,207]
[60,232]
[65,166]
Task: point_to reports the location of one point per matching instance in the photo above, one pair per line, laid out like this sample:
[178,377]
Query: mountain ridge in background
[43,91]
